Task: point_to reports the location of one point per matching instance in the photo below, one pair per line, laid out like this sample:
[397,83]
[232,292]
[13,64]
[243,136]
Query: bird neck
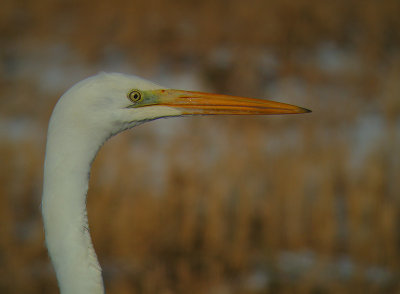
[69,155]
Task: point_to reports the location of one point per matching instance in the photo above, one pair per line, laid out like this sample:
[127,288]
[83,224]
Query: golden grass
[219,205]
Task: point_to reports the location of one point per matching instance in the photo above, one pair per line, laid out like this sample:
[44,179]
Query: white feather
[84,118]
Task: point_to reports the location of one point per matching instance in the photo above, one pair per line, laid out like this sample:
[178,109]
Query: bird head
[116,102]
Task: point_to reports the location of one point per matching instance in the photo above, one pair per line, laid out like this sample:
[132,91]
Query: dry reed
[299,204]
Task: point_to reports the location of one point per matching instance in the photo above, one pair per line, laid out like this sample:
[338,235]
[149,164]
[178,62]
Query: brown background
[288,204]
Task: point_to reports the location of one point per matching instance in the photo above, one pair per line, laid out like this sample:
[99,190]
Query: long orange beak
[205,103]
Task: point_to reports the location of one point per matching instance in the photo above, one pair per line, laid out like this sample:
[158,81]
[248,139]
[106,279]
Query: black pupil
[136,96]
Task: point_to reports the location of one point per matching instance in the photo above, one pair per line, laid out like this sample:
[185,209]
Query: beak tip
[305,110]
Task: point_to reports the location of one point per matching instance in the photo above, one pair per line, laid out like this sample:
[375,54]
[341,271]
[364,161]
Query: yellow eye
[135,95]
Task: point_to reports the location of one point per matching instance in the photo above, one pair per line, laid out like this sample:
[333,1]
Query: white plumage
[83,119]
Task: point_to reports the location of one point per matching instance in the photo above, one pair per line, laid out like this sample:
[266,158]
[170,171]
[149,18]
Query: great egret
[84,118]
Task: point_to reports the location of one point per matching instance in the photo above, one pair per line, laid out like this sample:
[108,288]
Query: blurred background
[280,204]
